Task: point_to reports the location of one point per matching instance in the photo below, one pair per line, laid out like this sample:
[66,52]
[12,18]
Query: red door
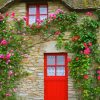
[55,76]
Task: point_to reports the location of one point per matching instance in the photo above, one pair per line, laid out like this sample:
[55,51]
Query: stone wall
[32,86]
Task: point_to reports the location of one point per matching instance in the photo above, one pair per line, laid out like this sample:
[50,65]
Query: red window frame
[37,11]
[56,65]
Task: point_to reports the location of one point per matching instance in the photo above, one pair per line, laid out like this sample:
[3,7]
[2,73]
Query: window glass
[50,60]
[32,10]
[50,71]
[32,19]
[43,9]
[60,60]
[42,17]
[60,71]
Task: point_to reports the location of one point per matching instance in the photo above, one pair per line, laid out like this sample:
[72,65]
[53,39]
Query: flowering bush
[82,42]
[10,57]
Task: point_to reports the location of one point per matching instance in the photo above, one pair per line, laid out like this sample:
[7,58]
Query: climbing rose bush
[10,57]
[82,42]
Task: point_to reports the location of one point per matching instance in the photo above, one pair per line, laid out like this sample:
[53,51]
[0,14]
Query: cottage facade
[43,58]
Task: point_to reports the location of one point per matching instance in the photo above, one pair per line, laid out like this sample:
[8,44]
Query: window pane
[43,9]
[50,71]
[32,10]
[60,60]
[42,17]
[32,19]
[50,60]
[60,71]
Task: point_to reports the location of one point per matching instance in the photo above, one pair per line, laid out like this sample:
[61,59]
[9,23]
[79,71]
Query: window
[35,12]
[56,64]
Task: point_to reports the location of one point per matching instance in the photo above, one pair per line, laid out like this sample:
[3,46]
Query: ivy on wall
[83,43]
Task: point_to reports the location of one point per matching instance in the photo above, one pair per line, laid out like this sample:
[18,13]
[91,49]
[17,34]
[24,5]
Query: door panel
[55,76]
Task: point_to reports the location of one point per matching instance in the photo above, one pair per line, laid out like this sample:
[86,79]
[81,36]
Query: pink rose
[52,16]
[38,21]
[10,73]
[98,71]
[87,51]
[59,11]
[8,56]
[98,77]
[1,56]
[25,18]
[89,13]
[8,94]
[4,42]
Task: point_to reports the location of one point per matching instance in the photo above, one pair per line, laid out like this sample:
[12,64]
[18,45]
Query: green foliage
[18,24]
[10,57]
[83,43]
[98,14]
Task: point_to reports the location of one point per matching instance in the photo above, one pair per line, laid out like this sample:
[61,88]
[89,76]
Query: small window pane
[32,10]
[42,17]
[50,60]
[60,60]
[60,71]
[43,9]
[32,19]
[51,71]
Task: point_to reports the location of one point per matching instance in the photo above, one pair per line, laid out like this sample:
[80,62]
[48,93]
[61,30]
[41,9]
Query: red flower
[86,76]
[12,14]
[77,58]
[89,13]
[57,33]
[98,77]
[85,45]
[68,59]
[75,38]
